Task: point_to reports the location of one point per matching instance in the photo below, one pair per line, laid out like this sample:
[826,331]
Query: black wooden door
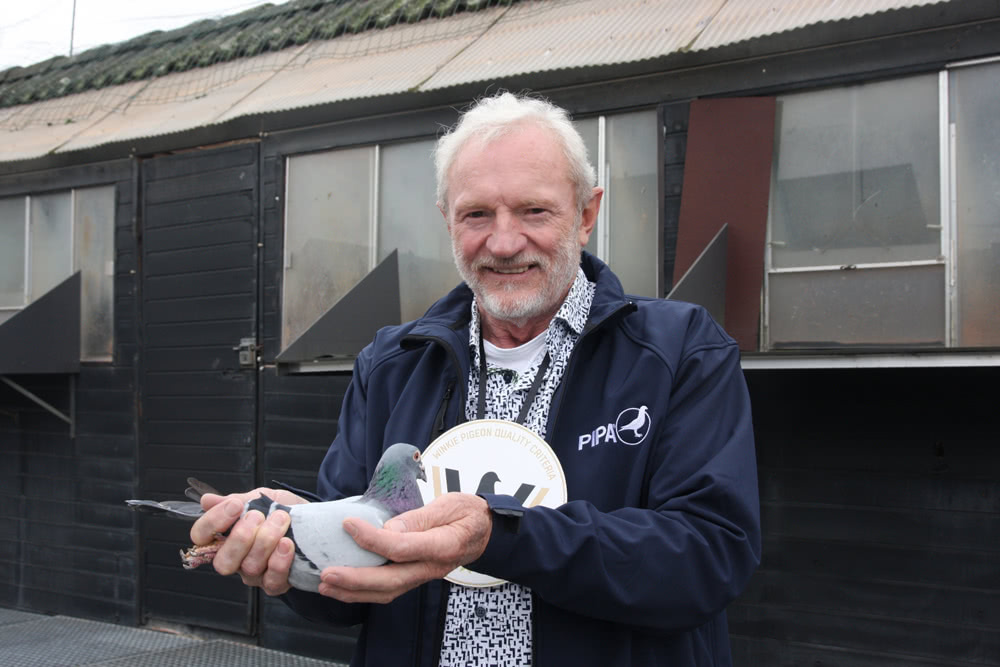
[198,412]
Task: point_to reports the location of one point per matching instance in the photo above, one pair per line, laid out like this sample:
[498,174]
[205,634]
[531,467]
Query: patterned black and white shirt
[492,626]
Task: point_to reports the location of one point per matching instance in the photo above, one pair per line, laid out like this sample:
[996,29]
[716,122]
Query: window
[859,247]
[623,150]
[348,209]
[410,221]
[46,238]
[974,99]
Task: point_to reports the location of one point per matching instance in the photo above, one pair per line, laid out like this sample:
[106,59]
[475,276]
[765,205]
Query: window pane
[631,199]
[409,221]
[94,217]
[12,252]
[327,222]
[893,306]
[856,175]
[588,129]
[974,104]
[50,242]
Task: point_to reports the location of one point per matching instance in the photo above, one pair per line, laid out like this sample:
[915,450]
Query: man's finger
[397,547]
[441,511]
[216,520]
[229,558]
[265,540]
[375,584]
[210,500]
[275,579]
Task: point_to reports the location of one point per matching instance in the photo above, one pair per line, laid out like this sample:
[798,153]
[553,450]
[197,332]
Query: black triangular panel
[45,336]
[705,282]
[350,324]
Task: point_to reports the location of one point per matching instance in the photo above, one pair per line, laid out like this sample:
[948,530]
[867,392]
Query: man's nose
[507,237]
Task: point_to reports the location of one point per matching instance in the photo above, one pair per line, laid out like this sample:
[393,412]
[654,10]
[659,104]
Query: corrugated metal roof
[44,127]
[263,29]
[178,101]
[738,21]
[541,36]
[397,59]
[501,40]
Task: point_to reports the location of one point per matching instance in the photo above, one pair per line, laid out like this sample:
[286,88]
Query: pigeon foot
[200,555]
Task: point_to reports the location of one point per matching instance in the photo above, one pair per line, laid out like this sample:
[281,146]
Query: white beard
[505,303]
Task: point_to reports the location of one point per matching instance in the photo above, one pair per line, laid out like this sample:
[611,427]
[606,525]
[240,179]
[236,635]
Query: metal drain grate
[60,641]
[216,653]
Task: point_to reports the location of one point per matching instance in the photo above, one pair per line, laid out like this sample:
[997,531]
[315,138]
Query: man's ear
[444,214]
[588,217]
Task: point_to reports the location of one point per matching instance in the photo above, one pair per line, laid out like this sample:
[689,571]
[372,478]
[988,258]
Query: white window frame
[948,357]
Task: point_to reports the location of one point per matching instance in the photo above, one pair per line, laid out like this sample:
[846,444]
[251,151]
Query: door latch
[248,352]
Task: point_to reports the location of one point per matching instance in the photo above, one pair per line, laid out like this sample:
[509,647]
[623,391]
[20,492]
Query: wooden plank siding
[880,509]
[673,118]
[67,543]
[298,422]
[199,407]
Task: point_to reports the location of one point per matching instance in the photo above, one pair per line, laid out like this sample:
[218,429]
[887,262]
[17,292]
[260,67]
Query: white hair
[492,117]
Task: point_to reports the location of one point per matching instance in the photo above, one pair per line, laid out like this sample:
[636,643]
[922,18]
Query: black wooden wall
[298,421]
[199,406]
[880,505]
[66,543]
[674,121]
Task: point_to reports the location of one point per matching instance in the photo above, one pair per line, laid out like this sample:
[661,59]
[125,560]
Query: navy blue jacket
[656,539]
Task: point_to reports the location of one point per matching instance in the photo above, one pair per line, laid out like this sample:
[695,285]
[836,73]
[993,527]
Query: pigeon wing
[179,508]
[197,488]
[321,541]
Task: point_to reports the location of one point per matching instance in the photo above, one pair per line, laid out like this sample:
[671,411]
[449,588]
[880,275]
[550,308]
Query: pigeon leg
[200,555]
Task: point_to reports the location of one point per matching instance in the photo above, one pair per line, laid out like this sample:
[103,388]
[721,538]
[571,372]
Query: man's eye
[475,214]
[536,211]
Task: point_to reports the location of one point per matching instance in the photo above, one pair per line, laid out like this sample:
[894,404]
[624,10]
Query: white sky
[35,30]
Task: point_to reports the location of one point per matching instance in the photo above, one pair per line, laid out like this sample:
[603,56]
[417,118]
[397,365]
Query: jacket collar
[609,296]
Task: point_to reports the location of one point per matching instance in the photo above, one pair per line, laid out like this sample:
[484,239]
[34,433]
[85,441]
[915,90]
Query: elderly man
[659,533]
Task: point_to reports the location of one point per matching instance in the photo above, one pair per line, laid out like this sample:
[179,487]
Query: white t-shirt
[520,358]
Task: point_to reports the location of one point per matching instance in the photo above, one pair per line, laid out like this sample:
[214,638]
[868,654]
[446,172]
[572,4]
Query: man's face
[515,229]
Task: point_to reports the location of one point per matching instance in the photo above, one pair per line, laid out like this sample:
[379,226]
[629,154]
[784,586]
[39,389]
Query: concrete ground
[35,640]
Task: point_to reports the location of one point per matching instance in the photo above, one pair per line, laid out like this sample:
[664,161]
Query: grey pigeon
[316,528]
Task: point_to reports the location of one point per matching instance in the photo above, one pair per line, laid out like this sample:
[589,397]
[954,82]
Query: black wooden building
[198,230]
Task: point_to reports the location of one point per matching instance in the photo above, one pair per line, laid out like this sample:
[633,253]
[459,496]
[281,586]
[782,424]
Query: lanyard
[536,384]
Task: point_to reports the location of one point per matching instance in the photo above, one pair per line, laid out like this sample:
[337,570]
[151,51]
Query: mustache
[524,259]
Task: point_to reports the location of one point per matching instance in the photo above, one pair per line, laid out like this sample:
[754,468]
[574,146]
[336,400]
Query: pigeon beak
[421,474]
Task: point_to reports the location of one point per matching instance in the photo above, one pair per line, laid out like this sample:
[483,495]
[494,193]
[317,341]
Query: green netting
[265,29]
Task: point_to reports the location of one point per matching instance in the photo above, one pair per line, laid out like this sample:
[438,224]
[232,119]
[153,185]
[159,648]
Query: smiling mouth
[511,271]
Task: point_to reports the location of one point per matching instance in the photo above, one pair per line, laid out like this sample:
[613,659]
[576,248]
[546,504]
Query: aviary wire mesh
[211,54]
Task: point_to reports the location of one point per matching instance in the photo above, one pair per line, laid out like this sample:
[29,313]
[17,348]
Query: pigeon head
[394,484]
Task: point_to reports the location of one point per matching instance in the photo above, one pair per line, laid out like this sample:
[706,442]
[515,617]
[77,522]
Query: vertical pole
[72,29]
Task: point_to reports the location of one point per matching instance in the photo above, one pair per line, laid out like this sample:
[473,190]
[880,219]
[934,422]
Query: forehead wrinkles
[522,167]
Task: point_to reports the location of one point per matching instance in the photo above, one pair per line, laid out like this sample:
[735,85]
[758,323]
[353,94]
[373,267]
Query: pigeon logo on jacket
[632,425]
[630,428]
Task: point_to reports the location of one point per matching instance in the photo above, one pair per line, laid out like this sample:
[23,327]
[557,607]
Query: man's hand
[423,544]
[255,548]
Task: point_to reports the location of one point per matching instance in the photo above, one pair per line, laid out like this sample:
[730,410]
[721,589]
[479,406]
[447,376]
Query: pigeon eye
[416,456]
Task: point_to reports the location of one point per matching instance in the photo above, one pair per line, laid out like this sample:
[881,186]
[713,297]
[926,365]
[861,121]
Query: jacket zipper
[550,429]
[621,310]
[442,616]
[454,362]
[439,425]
